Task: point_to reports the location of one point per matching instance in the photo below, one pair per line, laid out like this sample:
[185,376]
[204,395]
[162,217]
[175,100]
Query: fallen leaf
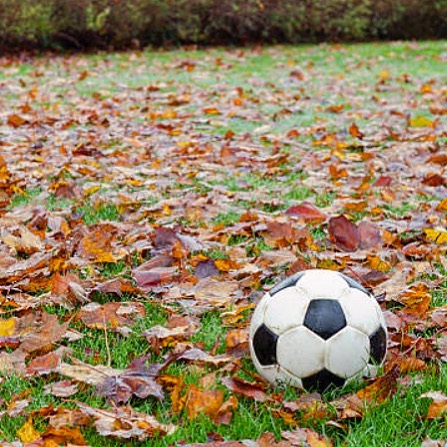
[202,401]
[433,179]
[307,212]
[355,131]
[438,236]
[244,388]
[48,331]
[382,388]
[421,121]
[440,159]
[90,374]
[63,388]
[217,293]
[416,299]
[47,363]
[110,315]
[198,356]
[97,246]
[26,243]
[344,233]
[137,380]
[236,342]
[433,443]
[369,235]
[69,436]
[7,327]
[439,405]
[126,423]
[306,437]
[16,120]
[27,433]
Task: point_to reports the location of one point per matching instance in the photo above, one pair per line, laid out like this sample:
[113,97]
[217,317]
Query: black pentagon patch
[321,381]
[354,284]
[264,345]
[288,282]
[324,317]
[378,346]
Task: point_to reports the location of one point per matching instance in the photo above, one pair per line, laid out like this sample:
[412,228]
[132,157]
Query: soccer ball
[315,329]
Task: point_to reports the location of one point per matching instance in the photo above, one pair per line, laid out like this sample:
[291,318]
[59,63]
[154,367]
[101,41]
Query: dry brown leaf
[202,401]
[47,363]
[382,388]
[13,362]
[196,355]
[63,388]
[216,293]
[306,437]
[93,375]
[25,243]
[247,389]
[48,332]
[126,423]
[110,315]
[416,299]
[439,405]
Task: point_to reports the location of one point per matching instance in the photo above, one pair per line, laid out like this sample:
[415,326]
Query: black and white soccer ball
[315,329]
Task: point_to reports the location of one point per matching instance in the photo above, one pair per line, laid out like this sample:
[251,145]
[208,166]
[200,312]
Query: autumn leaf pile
[190,183]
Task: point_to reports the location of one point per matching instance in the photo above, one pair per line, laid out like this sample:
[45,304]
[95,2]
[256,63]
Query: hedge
[123,23]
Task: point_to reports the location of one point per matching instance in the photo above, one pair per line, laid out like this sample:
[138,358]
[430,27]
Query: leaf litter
[191,190]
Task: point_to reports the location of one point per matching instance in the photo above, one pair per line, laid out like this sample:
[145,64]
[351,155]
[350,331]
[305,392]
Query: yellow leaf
[7,327]
[27,433]
[89,191]
[421,121]
[375,263]
[442,206]
[438,236]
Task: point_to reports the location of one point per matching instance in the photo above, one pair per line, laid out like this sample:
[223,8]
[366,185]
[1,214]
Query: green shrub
[120,23]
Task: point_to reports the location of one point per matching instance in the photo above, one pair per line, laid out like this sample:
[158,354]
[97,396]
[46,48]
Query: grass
[277,104]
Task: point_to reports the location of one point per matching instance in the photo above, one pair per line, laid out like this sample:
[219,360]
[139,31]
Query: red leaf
[432,179]
[344,233]
[306,211]
[383,180]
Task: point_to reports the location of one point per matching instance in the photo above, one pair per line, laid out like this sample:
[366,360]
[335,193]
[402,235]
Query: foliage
[118,23]
[149,199]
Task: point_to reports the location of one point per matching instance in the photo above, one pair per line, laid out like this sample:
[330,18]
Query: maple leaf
[203,401]
[110,315]
[438,406]
[49,331]
[137,380]
[125,423]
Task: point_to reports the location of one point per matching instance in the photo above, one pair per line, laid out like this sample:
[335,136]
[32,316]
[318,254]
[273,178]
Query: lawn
[149,200]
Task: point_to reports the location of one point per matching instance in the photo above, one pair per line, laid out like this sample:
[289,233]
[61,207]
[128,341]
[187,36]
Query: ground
[148,201]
